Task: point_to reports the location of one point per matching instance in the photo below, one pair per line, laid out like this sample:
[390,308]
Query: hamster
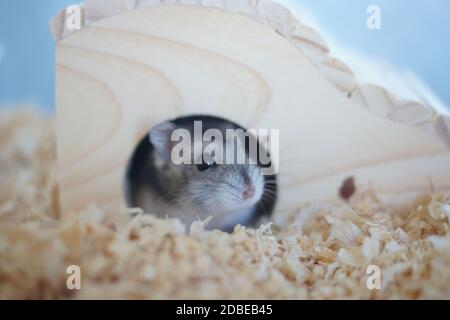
[231,193]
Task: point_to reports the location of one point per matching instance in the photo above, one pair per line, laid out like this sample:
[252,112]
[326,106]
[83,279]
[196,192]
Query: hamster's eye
[205,166]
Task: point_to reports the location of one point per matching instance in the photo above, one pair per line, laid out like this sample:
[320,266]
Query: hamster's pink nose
[248,193]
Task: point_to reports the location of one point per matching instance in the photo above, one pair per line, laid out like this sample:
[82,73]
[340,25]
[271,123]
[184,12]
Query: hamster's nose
[248,193]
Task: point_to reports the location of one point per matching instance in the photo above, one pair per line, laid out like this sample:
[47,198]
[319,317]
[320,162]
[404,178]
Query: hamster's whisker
[270,185]
[274,190]
[267,199]
[169,204]
[269,196]
[273,195]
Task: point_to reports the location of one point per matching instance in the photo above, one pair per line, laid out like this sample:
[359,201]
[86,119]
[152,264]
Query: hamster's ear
[160,139]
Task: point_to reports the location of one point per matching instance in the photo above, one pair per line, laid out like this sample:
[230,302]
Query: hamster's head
[206,183]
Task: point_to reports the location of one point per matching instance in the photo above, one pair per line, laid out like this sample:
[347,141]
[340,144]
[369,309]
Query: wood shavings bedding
[322,251]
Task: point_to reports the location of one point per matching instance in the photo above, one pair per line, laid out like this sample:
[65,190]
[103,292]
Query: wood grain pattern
[122,75]
[308,41]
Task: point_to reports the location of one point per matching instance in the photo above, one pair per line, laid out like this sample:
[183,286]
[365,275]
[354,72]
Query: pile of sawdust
[323,251]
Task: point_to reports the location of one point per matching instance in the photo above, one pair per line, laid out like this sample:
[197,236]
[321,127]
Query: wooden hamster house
[137,63]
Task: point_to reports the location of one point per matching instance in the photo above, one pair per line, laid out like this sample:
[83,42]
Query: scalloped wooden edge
[308,41]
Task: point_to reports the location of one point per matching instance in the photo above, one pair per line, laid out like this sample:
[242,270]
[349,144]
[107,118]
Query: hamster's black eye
[205,166]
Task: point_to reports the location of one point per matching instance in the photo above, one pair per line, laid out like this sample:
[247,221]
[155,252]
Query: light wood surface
[122,75]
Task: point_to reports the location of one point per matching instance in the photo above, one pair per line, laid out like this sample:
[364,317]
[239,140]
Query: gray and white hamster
[231,193]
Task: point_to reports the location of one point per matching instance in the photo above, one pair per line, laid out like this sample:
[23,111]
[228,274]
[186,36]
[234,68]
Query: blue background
[415,35]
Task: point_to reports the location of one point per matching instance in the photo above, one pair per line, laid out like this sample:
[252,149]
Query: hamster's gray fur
[231,193]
